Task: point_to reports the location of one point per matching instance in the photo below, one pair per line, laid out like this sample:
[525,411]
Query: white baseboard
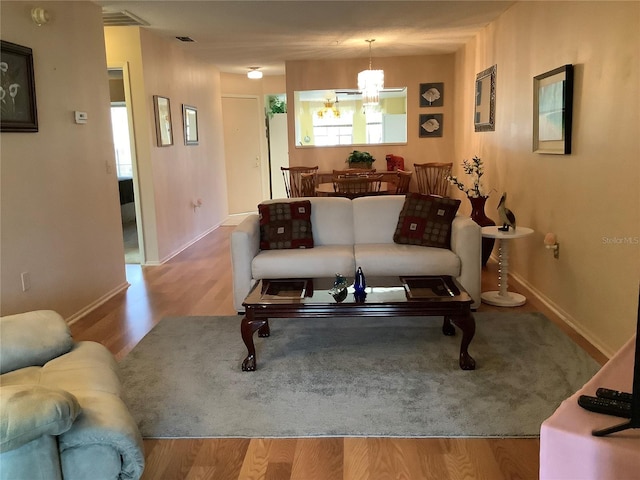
[184,247]
[560,314]
[93,305]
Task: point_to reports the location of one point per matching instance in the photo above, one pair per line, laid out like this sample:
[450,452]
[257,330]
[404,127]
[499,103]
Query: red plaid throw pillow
[285,225]
[426,220]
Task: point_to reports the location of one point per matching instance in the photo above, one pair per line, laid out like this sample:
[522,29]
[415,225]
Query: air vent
[185,39]
[121,19]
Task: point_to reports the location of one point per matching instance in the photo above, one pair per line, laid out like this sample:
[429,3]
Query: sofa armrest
[245,244]
[466,243]
[28,412]
[32,339]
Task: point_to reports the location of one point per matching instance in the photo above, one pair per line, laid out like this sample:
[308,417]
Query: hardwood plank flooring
[198,282]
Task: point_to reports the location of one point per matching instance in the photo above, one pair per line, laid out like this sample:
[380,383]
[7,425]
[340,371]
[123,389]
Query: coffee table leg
[248,328]
[264,330]
[467,324]
[448,329]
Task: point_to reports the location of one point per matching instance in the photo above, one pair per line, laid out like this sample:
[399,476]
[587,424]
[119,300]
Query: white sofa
[354,233]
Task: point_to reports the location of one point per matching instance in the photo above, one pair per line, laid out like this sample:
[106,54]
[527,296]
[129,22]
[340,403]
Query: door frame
[265,174]
[124,67]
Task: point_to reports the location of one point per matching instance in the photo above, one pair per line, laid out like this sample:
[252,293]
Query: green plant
[276,105]
[360,157]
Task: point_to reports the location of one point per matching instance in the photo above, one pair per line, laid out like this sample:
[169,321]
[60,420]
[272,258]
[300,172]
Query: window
[332,130]
[121,141]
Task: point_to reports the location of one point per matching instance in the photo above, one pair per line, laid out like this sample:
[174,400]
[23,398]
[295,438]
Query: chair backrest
[432,178]
[353,172]
[308,184]
[402,184]
[352,187]
[293,179]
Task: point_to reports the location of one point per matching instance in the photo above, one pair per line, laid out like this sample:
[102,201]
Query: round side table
[502,297]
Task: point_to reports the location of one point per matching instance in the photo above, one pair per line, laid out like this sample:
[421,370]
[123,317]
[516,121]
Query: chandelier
[330,109]
[370,82]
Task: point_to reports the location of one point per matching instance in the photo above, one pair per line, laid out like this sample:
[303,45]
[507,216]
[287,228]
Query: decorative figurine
[359,283]
[339,290]
[507,217]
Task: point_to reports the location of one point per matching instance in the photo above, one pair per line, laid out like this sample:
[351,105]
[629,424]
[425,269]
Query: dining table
[327,190]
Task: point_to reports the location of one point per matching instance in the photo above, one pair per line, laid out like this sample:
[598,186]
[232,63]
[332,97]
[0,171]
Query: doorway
[243,134]
[124,146]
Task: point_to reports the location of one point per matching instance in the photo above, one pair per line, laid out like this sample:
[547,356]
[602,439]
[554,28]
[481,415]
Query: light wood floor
[198,282]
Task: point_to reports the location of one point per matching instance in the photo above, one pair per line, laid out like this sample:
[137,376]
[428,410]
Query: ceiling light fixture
[330,109]
[39,16]
[370,82]
[254,73]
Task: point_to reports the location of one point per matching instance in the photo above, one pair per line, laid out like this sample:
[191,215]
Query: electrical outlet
[26,281]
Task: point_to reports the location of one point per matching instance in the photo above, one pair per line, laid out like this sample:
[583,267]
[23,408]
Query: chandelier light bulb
[254,73]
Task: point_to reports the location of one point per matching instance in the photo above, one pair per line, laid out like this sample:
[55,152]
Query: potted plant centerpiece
[358,159]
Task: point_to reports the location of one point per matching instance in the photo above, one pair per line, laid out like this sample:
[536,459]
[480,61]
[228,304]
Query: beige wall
[60,212]
[590,198]
[170,178]
[407,72]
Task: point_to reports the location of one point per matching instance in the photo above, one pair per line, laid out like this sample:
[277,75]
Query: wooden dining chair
[352,187]
[403,181]
[308,184]
[293,179]
[432,178]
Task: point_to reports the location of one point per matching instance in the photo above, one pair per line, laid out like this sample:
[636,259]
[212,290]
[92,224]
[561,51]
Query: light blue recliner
[61,415]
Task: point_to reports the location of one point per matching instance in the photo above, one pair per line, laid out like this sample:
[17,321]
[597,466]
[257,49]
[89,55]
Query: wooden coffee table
[385,297]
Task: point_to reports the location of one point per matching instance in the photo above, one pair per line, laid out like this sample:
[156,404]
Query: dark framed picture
[162,109]
[484,118]
[431,94]
[553,111]
[18,90]
[431,125]
[190,124]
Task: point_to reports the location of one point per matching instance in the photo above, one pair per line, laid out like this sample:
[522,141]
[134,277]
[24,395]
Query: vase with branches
[477,194]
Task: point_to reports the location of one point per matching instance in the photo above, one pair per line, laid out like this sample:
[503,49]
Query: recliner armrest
[31,411]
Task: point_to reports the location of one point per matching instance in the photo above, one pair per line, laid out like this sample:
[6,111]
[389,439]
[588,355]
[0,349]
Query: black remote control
[613,394]
[606,406]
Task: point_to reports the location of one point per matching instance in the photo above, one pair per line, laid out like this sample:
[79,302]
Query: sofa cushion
[30,411]
[399,259]
[426,220]
[375,218]
[32,338]
[285,225]
[321,261]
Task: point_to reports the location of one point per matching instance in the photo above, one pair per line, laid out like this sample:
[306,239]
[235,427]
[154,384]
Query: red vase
[478,216]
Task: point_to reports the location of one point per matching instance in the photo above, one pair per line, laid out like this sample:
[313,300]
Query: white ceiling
[236,35]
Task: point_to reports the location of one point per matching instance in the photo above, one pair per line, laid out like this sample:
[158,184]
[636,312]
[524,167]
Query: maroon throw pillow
[426,220]
[285,225]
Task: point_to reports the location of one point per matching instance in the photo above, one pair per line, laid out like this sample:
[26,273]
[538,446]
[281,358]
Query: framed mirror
[190,124]
[485,112]
[325,118]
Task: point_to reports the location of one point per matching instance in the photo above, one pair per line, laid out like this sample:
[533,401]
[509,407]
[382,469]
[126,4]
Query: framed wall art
[162,109]
[484,119]
[553,111]
[431,125]
[431,94]
[17,89]
[190,124]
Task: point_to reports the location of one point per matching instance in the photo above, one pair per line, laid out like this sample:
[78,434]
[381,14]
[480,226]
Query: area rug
[395,377]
